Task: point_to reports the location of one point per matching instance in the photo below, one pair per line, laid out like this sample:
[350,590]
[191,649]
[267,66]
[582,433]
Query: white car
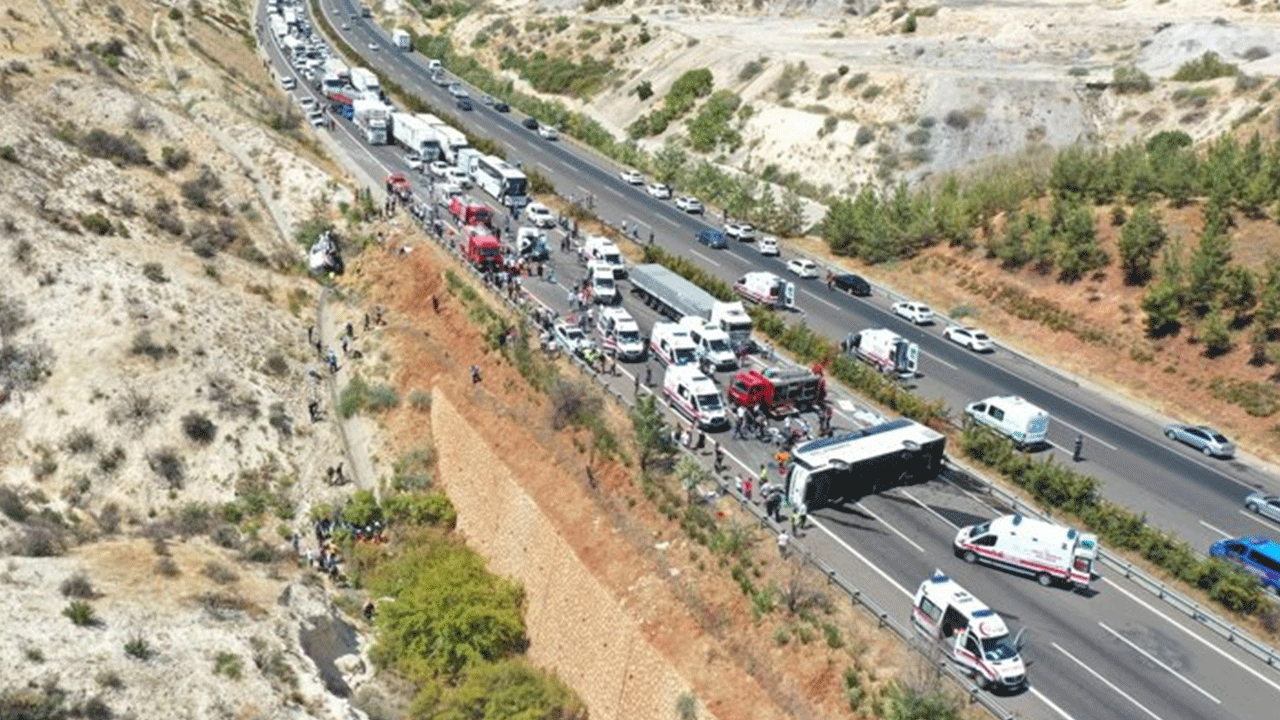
[439,169]
[918,313]
[803,268]
[631,177]
[540,215]
[660,191]
[689,205]
[459,176]
[373,47]
[570,337]
[548,132]
[768,246]
[457,91]
[740,231]
[970,337]
[413,161]
[308,102]
[316,118]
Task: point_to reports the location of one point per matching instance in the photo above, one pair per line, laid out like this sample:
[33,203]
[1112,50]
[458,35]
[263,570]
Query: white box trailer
[402,39]
[694,396]
[415,135]
[886,351]
[971,634]
[451,141]
[365,80]
[1050,552]
[1013,417]
[676,298]
[848,466]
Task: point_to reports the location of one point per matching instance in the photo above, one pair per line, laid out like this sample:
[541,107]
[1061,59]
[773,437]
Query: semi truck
[1047,551]
[416,135]
[766,289]
[676,298]
[373,118]
[971,634]
[886,351]
[364,80]
[483,249]
[468,212]
[832,470]
[451,141]
[778,392]
[402,39]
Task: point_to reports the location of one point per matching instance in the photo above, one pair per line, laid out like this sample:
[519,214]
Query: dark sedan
[852,284]
[531,123]
[501,107]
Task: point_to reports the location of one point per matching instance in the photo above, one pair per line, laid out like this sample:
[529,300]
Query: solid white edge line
[1188,631]
[849,548]
[895,530]
[1217,530]
[1107,682]
[704,257]
[1094,438]
[926,507]
[1153,659]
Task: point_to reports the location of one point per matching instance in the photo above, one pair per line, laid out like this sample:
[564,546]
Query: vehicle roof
[1012,402]
[864,443]
[691,375]
[1261,543]
[944,591]
[1027,525]
[616,313]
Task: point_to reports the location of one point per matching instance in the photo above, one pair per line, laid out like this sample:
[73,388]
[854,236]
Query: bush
[123,149]
[198,190]
[96,223]
[1128,79]
[174,158]
[9,154]
[276,365]
[154,272]
[167,567]
[169,466]
[139,648]
[219,573]
[228,664]
[644,90]
[1257,399]
[80,442]
[81,614]
[143,344]
[1207,67]
[199,428]
[78,586]
[865,135]
[751,70]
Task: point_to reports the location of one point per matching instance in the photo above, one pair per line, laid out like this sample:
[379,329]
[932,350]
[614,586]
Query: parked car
[1259,556]
[548,132]
[970,337]
[486,99]
[768,246]
[439,169]
[570,337]
[1201,437]
[690,205]
[1265,505]
[464,104]
[308,103]
[660,191]
[803,268]
[373,47]
[540,215]
[713,239]
[413,161]
[501,107]
[288,83]
[740,231]
[918,313]
[852,284]
[530,122]
[457,90]
[316,118]
[631,177]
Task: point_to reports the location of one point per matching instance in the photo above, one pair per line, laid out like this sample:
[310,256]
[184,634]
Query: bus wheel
[970,556]
[1044,579]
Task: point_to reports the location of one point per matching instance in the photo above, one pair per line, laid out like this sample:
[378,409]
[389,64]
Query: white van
[604,289]
[288,83]
[693,395]
[671,345]
[971,634]
[620,333]
[1029,545]
[714,350]
[602,249]
[1012,416]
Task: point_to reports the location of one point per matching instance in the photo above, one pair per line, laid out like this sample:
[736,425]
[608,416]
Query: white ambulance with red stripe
[694,396]
[972,634]
[1051,553]
[766,289]
[671,345]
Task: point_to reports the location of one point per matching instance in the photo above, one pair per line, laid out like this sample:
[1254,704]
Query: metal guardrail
[1161,590]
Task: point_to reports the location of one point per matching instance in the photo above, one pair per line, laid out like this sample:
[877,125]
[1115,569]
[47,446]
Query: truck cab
[766,289]
[470,213]
[714,350]
[1013,417]
[778,391]
[620,333]
[604,289]
[971,634]
[671,345]
[693,395]
[734,320]
[483,250]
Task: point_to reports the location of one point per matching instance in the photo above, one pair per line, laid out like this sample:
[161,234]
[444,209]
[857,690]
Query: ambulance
[1013,417]
[1051,553]
[671,345]
[693,395]
[766,289]
[971,634]
[604,288]
[620,333]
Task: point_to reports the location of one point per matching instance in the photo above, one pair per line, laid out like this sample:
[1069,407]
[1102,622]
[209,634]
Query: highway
[1113,653]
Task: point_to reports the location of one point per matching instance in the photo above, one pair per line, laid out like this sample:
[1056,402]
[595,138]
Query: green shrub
[1207,67]
[9,154]
[1257,399]
[81,613]
[174,158]
[228,664]
[124,149]
[139,648]
[96,223]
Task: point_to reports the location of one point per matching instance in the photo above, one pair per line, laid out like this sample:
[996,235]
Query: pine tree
[1079,252]
[1214,333]
[1239,291]
[1140,240]
[1011,247]
[950,218]
[1207,270]
[669,164]
[791,222]
[1163,306]
[765,212]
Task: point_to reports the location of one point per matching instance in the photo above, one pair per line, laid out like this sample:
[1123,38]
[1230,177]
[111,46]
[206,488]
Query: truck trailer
[373,118]
[402,39]
[416,135]
[676,298]
[832,470]
[451,141]
[364,80]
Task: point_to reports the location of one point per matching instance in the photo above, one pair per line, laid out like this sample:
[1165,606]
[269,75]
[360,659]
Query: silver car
[1265,505]
[1201,437]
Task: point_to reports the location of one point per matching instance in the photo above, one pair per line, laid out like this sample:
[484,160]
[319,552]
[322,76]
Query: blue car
[1256,555]
[713,239]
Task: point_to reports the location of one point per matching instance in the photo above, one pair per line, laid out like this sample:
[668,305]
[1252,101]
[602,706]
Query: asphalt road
[1109,655]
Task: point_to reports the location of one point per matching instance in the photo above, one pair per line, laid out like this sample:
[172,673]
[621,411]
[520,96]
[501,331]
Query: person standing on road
[719,455]
[1077,455]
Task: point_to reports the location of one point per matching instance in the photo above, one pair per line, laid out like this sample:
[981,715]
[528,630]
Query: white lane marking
[1094,438]
[940,361]
[1258,519]
[895,530]
[1224,535]
[1107,682]
[1152,658]
[1203,641]
[705,258]
[669,221]
[828,303]
[1052,705]
[926,507]
[848,548]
